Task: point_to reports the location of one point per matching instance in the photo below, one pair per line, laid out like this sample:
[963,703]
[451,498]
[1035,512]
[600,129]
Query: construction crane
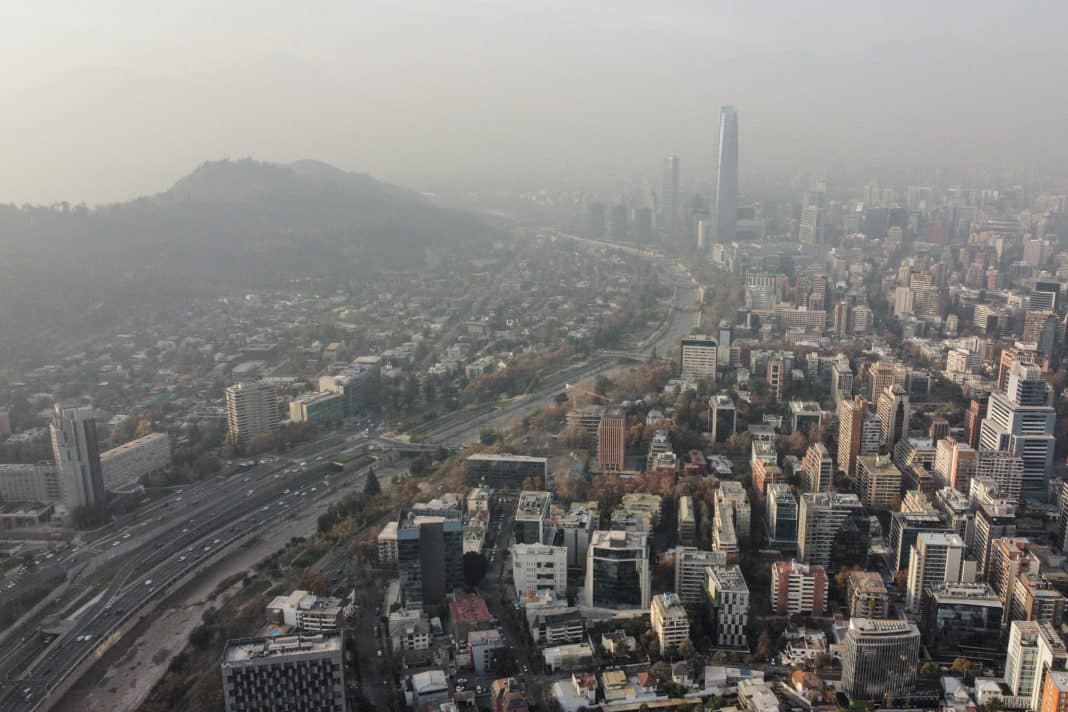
[574,388]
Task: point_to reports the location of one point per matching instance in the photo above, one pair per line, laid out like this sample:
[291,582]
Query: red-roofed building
[467,613]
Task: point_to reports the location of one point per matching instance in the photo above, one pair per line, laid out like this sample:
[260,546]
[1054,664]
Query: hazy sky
[104,100]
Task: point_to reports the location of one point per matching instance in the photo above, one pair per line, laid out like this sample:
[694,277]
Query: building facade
[251,409]
[290,672]
[879,657]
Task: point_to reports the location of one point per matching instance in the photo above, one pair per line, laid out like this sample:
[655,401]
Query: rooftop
[132,445]
[880,625]
[728,578]
[965,593]
[488,457]
[618,539]
[246,649]
[831,499]
[532,505]
[469,609]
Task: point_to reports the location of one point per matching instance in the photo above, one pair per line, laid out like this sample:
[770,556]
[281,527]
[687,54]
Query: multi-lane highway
[120,574]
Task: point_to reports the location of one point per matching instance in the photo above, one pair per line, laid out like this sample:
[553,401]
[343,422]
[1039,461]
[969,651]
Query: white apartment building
[387,543]
[539,567]
[937,558]
[130,462]
[728,599]
[1034,648]
[690,574]
[699,357]
[251,409]
[668,620]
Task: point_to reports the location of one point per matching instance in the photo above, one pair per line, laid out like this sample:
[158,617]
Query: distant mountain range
[227,225]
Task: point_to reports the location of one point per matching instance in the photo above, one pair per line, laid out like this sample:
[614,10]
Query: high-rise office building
[879,657]
[823,520]
[841,380]
[878,482]
[893,410]
[668,620]
[780,516]
[687,522]
[538,567]
[1062,518]
[798,589]
[1006,469]
[954,464]
[1055,692]
[817,469]
[905,527]
[961,619]
[726,198]
[503,471]
[251,409]
[1021,422]
[1034,649]
[722,417]
[867,595]
[531,517]
[690,574]
[1009,557]
[77,455]
[728,604]
[617,570]
[937,558]
[297,672]
[994,518]
[611,440]
[810,232]
[973,420]
[776,378]
[857,433]
[430,552]
[1035,599]
[884,374]
[669,199]
[732,497]
[723,353]
[699,357]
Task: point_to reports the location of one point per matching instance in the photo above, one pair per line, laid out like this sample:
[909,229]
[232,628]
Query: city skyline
[85,86]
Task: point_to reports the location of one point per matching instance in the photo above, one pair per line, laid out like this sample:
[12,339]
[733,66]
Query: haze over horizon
[111,101]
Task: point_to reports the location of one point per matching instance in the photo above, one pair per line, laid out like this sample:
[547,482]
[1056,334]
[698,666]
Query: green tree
[371,486]
[930,670]
[475,568]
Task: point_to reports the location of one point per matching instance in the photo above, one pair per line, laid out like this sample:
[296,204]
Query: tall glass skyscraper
[669,199]
[726,198]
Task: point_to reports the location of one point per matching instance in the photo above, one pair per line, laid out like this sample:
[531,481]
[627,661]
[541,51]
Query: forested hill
[229,224]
